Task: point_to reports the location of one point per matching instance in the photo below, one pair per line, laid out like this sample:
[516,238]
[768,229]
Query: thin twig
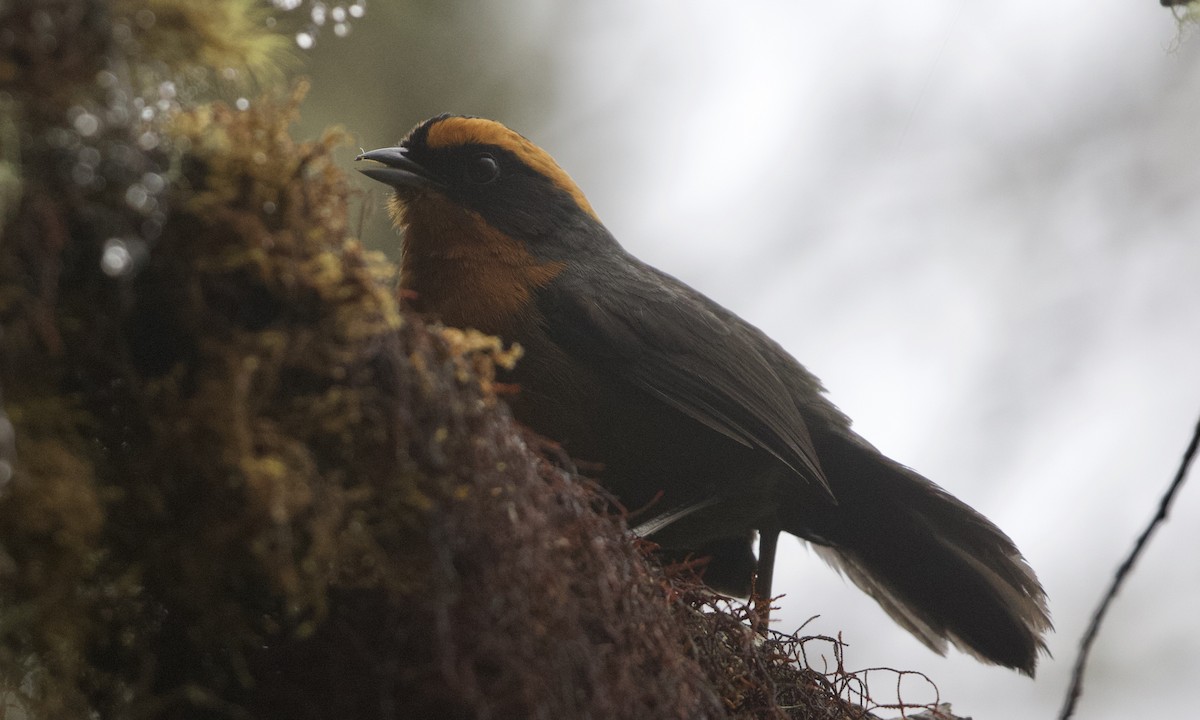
[1085,646]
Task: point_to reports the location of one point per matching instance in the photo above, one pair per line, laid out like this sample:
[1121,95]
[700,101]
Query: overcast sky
[977,223]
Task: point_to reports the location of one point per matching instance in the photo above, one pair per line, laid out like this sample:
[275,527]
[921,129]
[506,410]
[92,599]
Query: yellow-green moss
[216,34]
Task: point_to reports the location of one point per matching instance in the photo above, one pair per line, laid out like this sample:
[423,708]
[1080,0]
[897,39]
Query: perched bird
[686,407]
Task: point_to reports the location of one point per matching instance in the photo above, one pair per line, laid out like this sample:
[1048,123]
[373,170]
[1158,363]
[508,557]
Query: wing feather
[684,349]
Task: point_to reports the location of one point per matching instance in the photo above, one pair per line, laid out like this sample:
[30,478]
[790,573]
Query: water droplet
[317,13]
[124,155]
[338,14]
[166,90]
[154,182]
[116,259]
[87,124]
[106,78]
[148,113]
[287,4]
[148,140]
[260,157]
[358,9]
[136,196]
[59,138]
[229,73]
[269,207]
[341,29]
[83,174]
[42,22]
[117,115]
[122,33]
[305,40]
[152,228]
[242,104]
[89,156]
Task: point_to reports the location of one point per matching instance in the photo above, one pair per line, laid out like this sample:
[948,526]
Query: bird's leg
[760,589]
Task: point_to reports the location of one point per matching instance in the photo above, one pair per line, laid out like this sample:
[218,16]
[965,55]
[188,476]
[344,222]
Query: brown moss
[52,518]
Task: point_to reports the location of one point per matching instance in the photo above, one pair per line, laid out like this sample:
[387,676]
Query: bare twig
[1085,646]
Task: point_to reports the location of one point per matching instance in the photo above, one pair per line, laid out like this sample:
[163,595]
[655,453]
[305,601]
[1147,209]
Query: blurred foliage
[1191,12]
[186,35]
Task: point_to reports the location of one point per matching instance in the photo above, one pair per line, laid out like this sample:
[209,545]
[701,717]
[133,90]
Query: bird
[684,408]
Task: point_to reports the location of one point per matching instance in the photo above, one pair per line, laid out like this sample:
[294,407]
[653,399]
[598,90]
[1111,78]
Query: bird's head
[482,169]
[482,207]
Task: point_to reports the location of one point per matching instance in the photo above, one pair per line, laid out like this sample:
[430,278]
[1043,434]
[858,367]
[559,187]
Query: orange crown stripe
[464,131]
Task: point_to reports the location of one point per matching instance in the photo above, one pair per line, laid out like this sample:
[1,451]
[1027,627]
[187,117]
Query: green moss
[218,34]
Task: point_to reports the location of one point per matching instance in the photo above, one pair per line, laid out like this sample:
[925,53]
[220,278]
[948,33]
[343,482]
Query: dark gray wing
[681,347]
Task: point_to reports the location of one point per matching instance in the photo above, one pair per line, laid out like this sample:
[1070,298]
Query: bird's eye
[483,169]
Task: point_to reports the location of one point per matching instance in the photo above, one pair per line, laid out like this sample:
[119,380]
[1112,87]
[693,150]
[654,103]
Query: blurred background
[979,224]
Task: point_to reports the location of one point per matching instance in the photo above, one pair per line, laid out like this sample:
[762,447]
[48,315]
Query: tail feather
[939,568]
